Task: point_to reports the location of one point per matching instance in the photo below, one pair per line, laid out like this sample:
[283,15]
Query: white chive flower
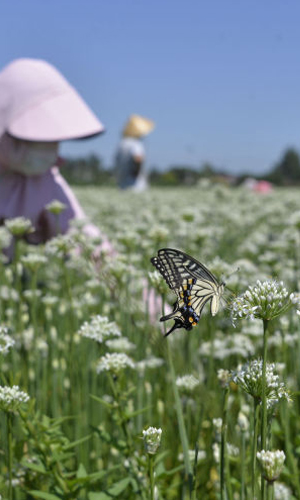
[121,344]
[271,463]
[99,328]
[217,423]
[60,246]
[50,300]
[5,238]
[201,455]
[114,363]
[295,300]
[33,261]
[11,398]
[264,301]
[55,207]
[224,377]
[152,439]
[19,226]
[243,421]
[249,378]
[232,451]
[6,342]
[282,492]
[187,383]
[152,362]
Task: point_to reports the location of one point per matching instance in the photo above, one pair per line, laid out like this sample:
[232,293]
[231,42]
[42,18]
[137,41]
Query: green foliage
[287,170]
[86,170]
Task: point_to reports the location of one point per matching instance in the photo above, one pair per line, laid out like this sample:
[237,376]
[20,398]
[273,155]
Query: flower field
[97,404]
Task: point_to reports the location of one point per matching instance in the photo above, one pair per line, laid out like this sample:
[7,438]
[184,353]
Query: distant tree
[174,176]
[185,175]
[86,170]
[207,170]
[287,170]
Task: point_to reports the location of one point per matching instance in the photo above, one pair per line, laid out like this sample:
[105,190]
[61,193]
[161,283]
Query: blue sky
[221,78]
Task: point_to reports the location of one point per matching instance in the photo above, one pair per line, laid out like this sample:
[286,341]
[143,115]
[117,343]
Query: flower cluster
[226,346]
[33,261]
[152,438]
[201,455]
[295,300]
[19,226]
[60,246]
[121,344]
[55,207]
[243,422]
[151,362]
[187,382]
[114,363]
[249,378]
[264,301]
[6,342]
[282,492]
[11,398]
[99,328]
[224,377]
[232,451]
[271,463]
[5,238]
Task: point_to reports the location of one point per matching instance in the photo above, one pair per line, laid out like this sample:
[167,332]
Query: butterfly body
[193,284]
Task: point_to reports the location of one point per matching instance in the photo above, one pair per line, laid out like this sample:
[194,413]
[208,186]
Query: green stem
[181,424]
[254,444]
[223,445]
[243,460]
[57,224]
[116,396]
[33,300]
[123,422]
[228,480]
[264,421]
[151,476]
[270,490]
[18,284]
[290,458]
[10,454]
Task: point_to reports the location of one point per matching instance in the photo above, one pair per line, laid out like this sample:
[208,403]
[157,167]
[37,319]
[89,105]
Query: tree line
[91,170]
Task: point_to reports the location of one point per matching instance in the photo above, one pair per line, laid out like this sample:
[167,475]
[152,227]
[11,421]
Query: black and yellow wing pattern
[193,284]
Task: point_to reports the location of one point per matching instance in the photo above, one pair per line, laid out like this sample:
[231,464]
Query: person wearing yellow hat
[130,155]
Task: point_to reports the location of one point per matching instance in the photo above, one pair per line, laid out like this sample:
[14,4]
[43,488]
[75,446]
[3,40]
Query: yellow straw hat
[138,126]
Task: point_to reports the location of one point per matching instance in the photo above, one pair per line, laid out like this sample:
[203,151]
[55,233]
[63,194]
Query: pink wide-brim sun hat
[38,104]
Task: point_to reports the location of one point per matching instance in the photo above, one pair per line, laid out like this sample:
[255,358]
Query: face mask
[27,157]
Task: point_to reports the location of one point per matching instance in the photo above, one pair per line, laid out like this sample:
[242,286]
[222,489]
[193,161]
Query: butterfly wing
[193,284]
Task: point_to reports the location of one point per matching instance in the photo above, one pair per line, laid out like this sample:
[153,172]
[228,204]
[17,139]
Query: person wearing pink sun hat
[38,109]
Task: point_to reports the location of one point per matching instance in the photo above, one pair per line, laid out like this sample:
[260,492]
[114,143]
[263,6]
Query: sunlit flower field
[97,404]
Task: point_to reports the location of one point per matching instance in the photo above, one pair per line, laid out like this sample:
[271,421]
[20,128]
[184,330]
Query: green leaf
[35,467]
[160,456]
[112,492]
[61,457]
[99,496]
[100,400]
[138,412]
[171,471]
[94,476]
[76,443]
[160,469]
[45,496]
[118,487]
[81,472]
